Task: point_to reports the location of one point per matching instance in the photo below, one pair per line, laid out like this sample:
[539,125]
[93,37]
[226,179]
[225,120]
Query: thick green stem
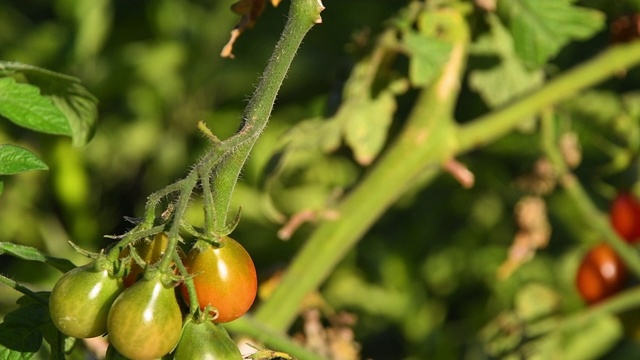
[488,128]
[421,147]
[331,240]
[303,14]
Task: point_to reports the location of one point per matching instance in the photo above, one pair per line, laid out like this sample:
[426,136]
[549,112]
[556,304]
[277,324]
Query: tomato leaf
[21,331]
[427,50]
[74,102]
[56,340]
[15,159]
[366,125]
[541,28]
[509,78]
[33,254]
[24,105]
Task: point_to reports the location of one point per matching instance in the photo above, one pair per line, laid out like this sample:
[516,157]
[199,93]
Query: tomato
[224,277]
[145,320]
[625,217]
[601,274]
[205,340]
[80,301]
[150,252]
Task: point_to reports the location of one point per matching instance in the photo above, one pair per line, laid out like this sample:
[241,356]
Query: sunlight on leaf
[72,102]
[541,28]
[15,159]
[509,78]
[24,105]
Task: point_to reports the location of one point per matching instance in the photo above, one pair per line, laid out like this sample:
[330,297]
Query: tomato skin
[624,215]
[80,301]
[206,340]
[224,277]
[145,320]
[601,274]
[150,252]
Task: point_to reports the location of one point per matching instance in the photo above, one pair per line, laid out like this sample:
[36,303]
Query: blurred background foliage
[423,280]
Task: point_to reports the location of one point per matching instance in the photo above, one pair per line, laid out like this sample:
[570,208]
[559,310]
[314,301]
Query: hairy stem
[303,14]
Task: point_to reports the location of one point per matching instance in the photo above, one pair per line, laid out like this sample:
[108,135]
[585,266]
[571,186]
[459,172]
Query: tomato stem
[421,149]
[194,306]
[24,290]
[591,214]
[303,14]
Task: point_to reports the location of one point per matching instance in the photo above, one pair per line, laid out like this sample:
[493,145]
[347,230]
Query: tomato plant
[625,216]
[145,320]
[205,340]
[601,274]
[80,301]
[150,251]
[224,277]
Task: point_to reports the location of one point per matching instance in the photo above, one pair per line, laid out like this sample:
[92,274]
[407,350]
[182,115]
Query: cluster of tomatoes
[141,312]
[602,273]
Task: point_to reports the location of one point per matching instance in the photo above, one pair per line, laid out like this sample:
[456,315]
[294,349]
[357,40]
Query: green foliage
[541,28]
[412,253]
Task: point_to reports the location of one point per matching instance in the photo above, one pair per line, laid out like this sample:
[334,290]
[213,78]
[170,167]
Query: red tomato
[224,277]
[150,251]
[625,216]
[601,274]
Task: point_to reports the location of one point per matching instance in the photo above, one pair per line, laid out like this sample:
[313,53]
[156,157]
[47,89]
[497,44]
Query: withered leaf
[250,11]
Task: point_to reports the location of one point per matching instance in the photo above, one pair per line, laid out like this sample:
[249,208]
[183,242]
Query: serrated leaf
[56,340]
[77,104]
[67,94]
[509,78]
[427,57]
[367,124]
[428,50]
[24,105]
[541,28]
[30,253]
[15,159]
[21,331]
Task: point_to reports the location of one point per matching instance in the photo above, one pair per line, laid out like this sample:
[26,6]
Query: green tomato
[80,301]
[206,340]
[145,320]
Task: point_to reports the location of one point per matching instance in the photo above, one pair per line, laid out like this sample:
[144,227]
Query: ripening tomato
[80,301]
[205,340]
[601,274]
[625,216]
[145,320]
[150,251]
[224,277]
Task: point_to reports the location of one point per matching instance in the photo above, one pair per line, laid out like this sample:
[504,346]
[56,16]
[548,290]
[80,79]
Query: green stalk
[303,14]
[490,127]
[587,209]
[423,145]
[26,291]
[420,147]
